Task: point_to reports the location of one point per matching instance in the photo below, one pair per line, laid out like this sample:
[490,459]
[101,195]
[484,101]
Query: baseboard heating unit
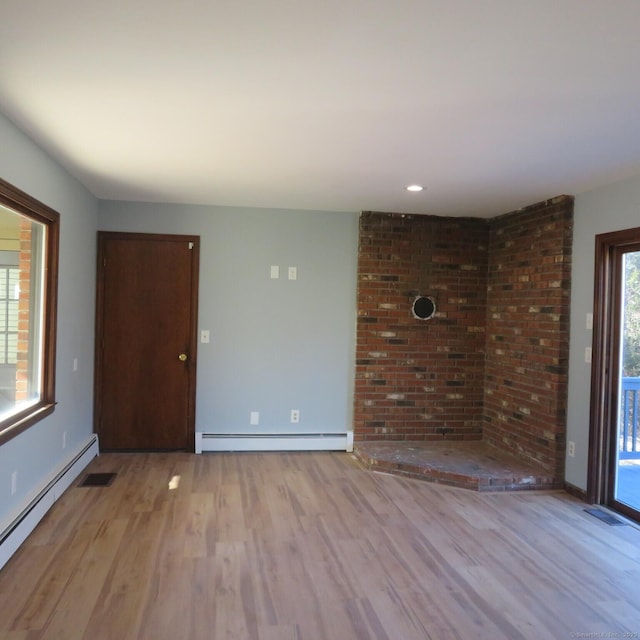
[16,532]
[274,441]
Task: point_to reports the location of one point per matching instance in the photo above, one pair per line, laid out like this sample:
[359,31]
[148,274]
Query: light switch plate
[204,336]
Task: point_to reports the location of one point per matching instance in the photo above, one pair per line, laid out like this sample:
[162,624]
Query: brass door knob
[182,357]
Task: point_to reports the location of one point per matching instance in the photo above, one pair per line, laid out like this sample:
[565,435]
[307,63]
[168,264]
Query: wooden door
[146,326]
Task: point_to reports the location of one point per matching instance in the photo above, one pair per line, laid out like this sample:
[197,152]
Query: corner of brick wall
[493,362]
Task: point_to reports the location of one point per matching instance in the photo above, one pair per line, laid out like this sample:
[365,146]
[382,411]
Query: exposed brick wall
[502,287]
[420,379]
[23,374]
[528,332]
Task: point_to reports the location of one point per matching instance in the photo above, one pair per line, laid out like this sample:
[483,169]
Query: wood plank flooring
[310,546]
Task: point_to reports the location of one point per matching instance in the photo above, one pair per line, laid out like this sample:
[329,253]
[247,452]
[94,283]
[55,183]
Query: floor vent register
[97,480]
[605,517]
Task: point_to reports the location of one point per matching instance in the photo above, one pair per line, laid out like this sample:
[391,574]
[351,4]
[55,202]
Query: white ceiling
[329,104]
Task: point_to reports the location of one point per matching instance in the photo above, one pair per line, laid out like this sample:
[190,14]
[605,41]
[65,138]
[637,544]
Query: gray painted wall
[276,345]
[37,454]
[609,208]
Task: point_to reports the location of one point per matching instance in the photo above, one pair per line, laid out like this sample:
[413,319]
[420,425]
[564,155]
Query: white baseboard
[274,441]
[17,531]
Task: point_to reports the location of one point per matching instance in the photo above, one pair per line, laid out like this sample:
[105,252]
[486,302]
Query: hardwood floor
[311,546]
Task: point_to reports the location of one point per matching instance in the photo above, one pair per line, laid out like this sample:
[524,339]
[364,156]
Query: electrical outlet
[293,273]
[254,418]
[571,449]
[14,482]
[295,415]
[275,271]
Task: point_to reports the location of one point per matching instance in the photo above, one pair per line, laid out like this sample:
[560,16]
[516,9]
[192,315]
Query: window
[29,232]
[9,300]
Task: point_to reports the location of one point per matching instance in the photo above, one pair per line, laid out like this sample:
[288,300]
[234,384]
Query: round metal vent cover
[423,308]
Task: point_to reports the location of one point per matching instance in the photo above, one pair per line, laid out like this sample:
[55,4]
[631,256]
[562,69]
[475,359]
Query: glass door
[624,487]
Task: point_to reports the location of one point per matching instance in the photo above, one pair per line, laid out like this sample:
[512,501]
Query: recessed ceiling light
[414,187]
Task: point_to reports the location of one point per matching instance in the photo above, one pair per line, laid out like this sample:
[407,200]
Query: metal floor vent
[605,517]
[97,480]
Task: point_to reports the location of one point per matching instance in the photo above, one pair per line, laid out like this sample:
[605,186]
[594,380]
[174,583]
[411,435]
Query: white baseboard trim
[274,441]
[17,531]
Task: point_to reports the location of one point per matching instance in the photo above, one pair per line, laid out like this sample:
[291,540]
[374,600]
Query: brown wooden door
[146,340]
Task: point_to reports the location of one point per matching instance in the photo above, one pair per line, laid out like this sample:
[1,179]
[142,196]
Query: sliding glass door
[625,448]
[614,443]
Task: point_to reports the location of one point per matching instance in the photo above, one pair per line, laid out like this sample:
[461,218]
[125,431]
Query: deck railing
[630,419]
